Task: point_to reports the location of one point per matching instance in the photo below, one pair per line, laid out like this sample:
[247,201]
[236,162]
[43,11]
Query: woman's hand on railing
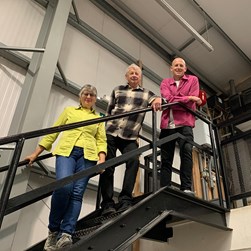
[32,157]
[101,156]
[100,171]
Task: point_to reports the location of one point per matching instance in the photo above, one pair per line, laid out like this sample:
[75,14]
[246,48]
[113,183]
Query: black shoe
[107,210]
[123,206]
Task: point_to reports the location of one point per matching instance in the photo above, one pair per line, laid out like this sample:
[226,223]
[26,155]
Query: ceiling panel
[146,10]
[221,65]
[234,18]
[218,19]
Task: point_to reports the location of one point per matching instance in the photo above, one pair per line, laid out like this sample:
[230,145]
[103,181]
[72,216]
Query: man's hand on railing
[195,99]
[156,104]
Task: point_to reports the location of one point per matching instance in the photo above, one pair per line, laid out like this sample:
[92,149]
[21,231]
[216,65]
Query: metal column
[32,102]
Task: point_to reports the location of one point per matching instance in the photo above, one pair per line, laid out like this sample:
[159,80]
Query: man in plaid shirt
[122,134]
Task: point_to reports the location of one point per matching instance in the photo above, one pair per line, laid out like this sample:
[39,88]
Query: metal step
[151,217]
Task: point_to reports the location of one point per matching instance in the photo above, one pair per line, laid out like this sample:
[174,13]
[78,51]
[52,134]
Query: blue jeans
[66,201]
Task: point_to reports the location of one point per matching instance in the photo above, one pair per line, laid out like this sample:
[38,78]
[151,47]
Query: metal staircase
[151,216]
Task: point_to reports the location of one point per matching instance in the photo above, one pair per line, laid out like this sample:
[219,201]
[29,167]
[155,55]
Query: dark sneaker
[108,210]
[51,241]
[64,241]
[124,205]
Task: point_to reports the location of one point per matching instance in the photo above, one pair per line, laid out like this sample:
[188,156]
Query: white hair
[134,66]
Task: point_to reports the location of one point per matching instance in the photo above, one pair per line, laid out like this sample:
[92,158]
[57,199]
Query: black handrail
[37,194]
[10,205]
[42,132]
[55,129]
[37,133]
[25,162]
[10,178]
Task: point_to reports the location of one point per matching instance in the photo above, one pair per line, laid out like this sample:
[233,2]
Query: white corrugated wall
[20,23]
[11,81]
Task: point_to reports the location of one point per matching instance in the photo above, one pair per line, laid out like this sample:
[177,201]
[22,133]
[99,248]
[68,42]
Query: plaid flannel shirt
[125,99]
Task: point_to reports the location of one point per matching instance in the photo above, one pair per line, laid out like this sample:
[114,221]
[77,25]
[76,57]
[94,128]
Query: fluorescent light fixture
[185,24]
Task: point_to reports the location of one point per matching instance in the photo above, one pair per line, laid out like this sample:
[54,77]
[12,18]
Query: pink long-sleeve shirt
[189,86]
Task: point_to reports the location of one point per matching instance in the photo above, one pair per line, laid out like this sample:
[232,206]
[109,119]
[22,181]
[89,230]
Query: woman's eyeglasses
[86,94]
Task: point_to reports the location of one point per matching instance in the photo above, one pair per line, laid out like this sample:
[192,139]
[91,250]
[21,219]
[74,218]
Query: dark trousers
[167,155]
[107,177]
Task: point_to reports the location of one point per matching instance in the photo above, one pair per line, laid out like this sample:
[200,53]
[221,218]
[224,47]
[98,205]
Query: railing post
[154,147]
[216,164]
[222,164]
[10,178]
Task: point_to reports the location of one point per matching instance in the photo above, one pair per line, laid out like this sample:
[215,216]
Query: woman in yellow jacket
[77,149]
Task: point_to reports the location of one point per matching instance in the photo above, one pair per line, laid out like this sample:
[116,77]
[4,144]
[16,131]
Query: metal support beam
[11,48]
[75,11]
[31,106]
[36,89]
[62,73]
[15,57]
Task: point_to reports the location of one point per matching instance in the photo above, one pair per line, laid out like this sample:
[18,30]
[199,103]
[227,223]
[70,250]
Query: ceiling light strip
[185,24]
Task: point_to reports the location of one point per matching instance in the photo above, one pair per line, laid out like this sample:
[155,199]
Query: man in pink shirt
[184,89]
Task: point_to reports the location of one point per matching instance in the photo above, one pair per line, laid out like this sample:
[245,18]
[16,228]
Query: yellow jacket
[92,138]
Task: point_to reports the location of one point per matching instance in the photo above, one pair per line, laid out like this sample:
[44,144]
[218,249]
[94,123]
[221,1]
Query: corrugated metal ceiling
[224,24]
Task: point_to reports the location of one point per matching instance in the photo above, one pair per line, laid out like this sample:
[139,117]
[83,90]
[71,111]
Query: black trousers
[186,161]
[107,177]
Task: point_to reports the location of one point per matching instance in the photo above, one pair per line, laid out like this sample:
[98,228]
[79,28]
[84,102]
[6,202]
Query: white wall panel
[79,57]
[154,62]
[11,81]
[20,23]
[111,72]
[121,37]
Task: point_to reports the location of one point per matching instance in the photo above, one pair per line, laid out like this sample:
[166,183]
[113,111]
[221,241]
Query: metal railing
[9,205]
[236,149]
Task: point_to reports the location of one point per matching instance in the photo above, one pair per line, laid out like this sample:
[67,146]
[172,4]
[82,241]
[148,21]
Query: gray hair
[89,88]
[134,66]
